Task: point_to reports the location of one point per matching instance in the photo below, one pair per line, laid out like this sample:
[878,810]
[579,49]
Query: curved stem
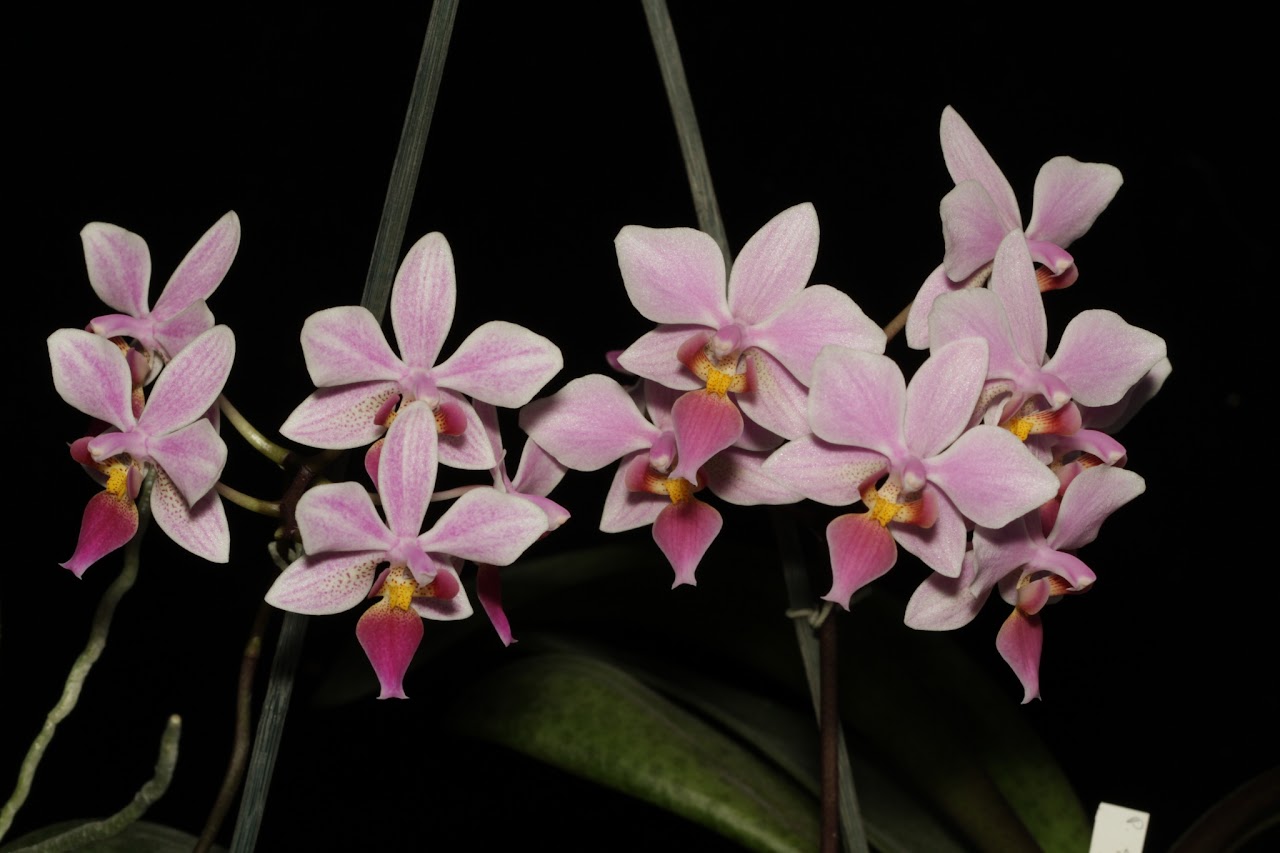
[450,494]
[260,442]
[240,499]
[898,323]
[84,663]
[84,835]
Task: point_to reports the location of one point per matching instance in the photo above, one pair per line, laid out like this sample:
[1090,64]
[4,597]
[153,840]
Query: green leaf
[597,721]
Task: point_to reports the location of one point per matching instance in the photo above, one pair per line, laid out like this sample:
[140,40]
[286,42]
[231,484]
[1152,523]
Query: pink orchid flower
[1033,562]
[346,541]
[755,338]
[867,422]
[119,266]
[360,379]
[982,209]
[170,435]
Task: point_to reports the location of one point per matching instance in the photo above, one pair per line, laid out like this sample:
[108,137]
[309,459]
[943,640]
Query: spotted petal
[389,637]
[91,374]
[422,301]
[109,522]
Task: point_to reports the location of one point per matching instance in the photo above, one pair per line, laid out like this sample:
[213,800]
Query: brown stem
[898,323]
[240,744]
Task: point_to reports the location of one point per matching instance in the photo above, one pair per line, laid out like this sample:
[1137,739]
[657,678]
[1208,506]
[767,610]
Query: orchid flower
[1099,359]
[757,339]
[867,422]
[1032,561]
[346,541]
[536,475]
[982,209]
[169,435]
[360,380]
[119,266]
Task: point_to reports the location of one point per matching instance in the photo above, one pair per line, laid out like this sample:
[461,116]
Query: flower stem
[240,499]
[898,323]
[83,836]
[84,663]
[260,442]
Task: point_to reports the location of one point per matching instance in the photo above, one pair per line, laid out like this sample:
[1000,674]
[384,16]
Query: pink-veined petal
[653,356]
[486,526]
[861,551]
[173,335]
[341,517]
[91,374]
[972,229]
[340,418]
[942,395]
[778,402]
[1113,417]
[108,523]
[815,317]
[828,473]
[192,457]
[673,275]
[941,546]
[684,531]
[991,477]
[119,266]
[934,286]
[625,509]
[470,449]
[858,399]
[704,423]
[737,476]
[967,160]
[774,265]
[944,604]
[489,589]
[501,363]
[389,637]
[1019,642]
[423,299]
[456,607]
[345,345]
[407,469]
[202,270]
[538,472]
[1088,501]
[201,528]
[1100,357]
[589,423]
[321,584]
[977,313]
[1069,195]
[1013,279]
[191,383]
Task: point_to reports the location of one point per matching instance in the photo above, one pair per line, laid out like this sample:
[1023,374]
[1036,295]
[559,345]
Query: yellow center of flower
[679,490]
[118,479]
[398,590]
[718,382]
[884,511]
[1021,427]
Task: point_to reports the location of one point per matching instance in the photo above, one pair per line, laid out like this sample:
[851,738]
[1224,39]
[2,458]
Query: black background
[551,133]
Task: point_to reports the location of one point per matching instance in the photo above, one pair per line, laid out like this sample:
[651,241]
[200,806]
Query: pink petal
[589,423]
[340,418]
[941,545]
[815,317]
[1112,418]
[828,473]
[944,604]
[119,266]
[673,275]
[653,357]
[737,476]
[774,265]
[858,399]
[1100,357]
[977,313]
[1069,196]
[389,637]
[625,509]
[341,517]
[191,383]
[972,229]
[443,609]
[861,551]
[407,469]
[538,472]
[201,528]
[202,270]
[489,588]
[778,402]
[422,300]
[704,423]
[486,526]
[91,374]
[1013,279]
[321,584]
[968,160]
[346,345]
[942,395]
[1089,501]
[173,335]
[684,531]
[501,363]
[192,457]
[918,318]
[108,523]
[1019,642]
[991,477]
[470,449]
